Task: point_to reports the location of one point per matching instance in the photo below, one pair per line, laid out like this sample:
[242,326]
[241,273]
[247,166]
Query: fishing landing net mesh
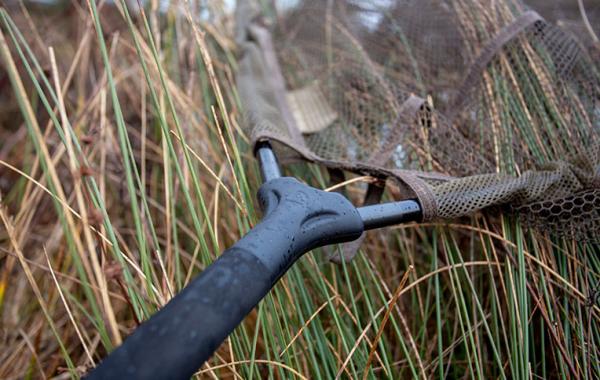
[468,105]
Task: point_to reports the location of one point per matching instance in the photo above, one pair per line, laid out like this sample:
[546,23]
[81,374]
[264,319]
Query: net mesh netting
[468,105]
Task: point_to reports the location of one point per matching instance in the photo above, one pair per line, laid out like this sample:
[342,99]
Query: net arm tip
[389,214]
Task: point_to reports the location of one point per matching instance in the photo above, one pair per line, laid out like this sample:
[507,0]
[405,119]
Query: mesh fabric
[468,105]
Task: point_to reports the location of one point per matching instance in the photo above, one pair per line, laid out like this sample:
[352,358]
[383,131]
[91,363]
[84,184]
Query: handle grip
[175,342]
[185,333]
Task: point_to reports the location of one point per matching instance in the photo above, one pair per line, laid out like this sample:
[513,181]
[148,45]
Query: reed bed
[124,171]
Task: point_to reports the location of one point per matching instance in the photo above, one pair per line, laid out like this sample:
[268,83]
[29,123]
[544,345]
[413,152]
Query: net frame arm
[373,216]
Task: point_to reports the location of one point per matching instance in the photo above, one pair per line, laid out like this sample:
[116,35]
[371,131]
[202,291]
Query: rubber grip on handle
[175,342]
[186,332]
